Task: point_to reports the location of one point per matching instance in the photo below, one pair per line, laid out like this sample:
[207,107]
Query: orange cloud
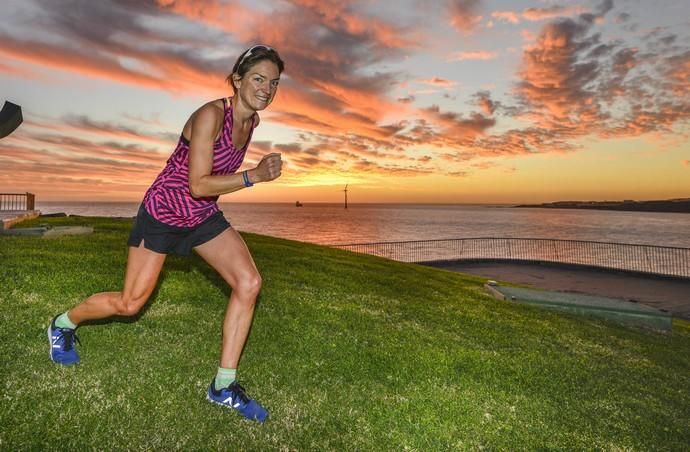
[17,72]
[552,80]
[457,127]
[328,95]
[573,85]
[532,140]
[87,64]
[472,55]
[332,155]
[437,81]
[537,14]
[116,151]
[337,16]
[508,16]
[211,12]
[485,103]
[81,124]
[463,14]
[342,109]
[46,153]
[40,170]
[678,73]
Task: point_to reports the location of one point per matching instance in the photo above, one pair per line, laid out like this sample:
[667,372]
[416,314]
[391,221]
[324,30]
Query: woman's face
[259,85]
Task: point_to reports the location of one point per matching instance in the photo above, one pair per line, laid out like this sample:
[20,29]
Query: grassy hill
[347,352]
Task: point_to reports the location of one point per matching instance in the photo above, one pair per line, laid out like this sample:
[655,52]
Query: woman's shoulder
[217,106]
[210,111]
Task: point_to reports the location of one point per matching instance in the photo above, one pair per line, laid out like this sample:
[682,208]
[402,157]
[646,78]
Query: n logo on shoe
[229,402]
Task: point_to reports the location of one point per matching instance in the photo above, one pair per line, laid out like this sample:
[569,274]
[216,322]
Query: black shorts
[166,239]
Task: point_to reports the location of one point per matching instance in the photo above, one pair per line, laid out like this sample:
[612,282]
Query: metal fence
[17,201]
[657,260]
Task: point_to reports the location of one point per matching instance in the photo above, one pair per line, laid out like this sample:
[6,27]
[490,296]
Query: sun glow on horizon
[325,180]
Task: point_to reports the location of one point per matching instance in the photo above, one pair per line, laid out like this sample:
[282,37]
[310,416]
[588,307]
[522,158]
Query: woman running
[180,213]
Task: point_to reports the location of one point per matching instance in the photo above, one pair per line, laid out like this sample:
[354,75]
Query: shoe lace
[239,392]
[69,337]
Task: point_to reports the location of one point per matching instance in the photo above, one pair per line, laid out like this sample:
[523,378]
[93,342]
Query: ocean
[331,224]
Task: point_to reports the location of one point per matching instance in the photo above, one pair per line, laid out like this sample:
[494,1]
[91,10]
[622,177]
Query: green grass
[347,352]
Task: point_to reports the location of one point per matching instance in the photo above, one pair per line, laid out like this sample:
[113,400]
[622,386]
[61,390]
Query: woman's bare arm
[206,124]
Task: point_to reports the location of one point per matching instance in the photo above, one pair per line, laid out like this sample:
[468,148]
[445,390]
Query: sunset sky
[448,101]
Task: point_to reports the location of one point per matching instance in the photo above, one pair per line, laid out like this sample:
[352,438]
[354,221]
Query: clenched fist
[268,168]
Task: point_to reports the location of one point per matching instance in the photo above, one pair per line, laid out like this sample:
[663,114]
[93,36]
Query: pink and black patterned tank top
[169,200]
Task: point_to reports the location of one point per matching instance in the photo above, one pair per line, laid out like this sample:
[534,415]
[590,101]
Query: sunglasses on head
[249,52]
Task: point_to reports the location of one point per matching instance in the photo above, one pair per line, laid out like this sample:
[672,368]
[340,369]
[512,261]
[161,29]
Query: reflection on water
[332,224]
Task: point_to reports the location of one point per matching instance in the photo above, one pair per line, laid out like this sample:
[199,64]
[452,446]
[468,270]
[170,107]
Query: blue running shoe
[235,397]
[61,341]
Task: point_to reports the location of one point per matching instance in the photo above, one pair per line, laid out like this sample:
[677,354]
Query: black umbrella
[10,118]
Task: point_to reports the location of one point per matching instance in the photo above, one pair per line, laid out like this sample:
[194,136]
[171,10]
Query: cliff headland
[669,205]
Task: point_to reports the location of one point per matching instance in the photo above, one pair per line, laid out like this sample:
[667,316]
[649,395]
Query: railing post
[17,201]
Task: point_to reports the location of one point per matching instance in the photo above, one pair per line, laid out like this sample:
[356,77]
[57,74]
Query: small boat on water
[298,204]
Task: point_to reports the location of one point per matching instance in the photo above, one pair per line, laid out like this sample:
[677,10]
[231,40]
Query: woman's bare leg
[143,268]
[228,255]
